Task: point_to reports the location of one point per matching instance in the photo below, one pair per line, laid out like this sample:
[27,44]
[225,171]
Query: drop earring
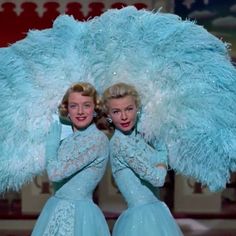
[109,120]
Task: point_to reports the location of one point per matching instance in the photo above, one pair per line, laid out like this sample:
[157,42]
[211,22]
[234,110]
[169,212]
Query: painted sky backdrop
[217,16]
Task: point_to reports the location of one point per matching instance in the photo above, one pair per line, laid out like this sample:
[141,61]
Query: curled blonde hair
[86,89]
[119,90]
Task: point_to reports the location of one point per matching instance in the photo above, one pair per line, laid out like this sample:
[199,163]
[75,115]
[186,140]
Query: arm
[76,154]
[137,155]
[161,159]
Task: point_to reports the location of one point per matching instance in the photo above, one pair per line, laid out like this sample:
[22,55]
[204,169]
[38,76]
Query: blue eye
[72,106]
[129,109]
[87,105]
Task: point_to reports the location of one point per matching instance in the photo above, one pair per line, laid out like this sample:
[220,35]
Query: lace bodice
[133,160]
[84,152]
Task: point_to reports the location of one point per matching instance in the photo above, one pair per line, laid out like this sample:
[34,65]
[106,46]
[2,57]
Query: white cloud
[233,8]
[201,14]
[226,22]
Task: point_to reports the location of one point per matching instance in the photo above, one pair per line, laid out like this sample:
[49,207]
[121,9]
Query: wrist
[161,165]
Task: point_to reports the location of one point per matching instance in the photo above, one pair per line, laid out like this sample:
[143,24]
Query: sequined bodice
[84,153]
[133,160]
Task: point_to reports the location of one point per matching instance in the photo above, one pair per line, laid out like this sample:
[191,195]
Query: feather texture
[183,73]
[187,83]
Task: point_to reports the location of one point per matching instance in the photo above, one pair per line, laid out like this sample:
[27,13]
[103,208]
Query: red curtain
[14,27]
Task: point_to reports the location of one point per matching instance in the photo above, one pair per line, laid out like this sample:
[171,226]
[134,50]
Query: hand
[161,165]
[162,172]
[53,140]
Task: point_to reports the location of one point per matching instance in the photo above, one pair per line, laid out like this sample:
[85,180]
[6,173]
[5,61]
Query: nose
[80,110]
[124,115]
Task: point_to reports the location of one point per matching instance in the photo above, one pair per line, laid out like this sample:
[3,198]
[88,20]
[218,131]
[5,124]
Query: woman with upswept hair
[135,164]
[81,158]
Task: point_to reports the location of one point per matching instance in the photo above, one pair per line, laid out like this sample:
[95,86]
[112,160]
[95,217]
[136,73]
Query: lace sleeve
[160,147]
[137,155]
[162,153]
[76,153]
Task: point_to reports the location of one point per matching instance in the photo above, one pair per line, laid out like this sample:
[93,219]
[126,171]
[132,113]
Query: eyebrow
[77,102]
[124,107]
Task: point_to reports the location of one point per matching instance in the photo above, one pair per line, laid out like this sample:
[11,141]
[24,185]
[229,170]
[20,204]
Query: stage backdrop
[217,16]
[18,16]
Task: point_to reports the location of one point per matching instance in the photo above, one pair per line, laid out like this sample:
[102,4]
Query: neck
[75,129]
[129,131]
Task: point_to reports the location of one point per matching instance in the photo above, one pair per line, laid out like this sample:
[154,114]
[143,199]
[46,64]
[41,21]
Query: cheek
[113,116]
[90,112]
[134,117]
[115,120]
[71,112]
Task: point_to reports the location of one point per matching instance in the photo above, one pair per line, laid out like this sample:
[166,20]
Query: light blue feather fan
[182,72]
[187,83]
[34,75]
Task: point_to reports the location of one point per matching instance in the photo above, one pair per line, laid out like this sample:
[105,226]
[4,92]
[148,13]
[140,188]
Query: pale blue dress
[133,161]
[71,211]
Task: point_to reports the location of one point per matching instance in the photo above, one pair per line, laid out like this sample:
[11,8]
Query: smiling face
[123,112]
[80,110]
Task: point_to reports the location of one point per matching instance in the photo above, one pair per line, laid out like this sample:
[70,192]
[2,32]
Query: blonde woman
[81,157]
[135,162]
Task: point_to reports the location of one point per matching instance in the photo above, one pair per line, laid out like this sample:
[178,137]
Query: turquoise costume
[182,72]
[187,85]
[71,211]
[133,161]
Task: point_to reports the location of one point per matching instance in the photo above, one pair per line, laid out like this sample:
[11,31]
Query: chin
[125,129]
[81,125]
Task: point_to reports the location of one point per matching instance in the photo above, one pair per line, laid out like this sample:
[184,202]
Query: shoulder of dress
[99,133]
[97,136]
[103,138]
[119,141]
[116,137]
